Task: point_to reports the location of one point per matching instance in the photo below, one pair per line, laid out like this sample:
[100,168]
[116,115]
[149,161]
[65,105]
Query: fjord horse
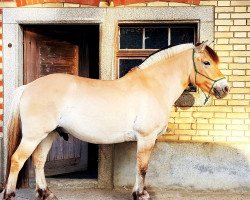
[133,108]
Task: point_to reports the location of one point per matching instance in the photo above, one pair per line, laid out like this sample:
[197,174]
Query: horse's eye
[206,63]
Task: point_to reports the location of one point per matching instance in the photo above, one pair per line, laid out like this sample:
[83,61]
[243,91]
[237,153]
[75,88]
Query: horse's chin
[219,94]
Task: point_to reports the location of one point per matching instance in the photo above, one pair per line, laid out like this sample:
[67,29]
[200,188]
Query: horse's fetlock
[9,196]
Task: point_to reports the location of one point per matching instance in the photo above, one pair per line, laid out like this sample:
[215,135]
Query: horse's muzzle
[221,89]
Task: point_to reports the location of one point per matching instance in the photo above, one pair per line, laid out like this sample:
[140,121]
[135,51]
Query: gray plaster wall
[187,165]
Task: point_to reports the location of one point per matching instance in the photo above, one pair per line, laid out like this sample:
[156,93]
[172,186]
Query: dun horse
[91,110]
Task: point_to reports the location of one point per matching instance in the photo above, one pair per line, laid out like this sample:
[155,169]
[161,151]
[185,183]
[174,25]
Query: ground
[105,194]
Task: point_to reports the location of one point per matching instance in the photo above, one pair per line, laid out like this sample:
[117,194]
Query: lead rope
[214,81]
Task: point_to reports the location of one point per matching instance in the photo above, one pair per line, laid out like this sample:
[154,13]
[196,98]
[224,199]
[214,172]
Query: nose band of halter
[214,80]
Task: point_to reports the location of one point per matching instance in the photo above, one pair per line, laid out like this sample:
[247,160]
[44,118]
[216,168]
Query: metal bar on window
[169,36]
[143,38]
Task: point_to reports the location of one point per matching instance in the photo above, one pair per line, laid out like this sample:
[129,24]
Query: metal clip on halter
[214,81]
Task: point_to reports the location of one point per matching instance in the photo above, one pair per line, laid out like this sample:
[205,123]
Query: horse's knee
[45,194]
[38,163]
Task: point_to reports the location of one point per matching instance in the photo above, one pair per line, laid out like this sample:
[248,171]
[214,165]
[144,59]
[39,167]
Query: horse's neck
[172,74]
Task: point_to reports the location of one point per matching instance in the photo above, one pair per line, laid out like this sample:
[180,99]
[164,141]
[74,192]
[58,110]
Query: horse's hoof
[52,198]
[141,196]
[45,195]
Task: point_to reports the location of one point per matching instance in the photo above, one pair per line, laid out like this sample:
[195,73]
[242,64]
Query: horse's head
[207,75]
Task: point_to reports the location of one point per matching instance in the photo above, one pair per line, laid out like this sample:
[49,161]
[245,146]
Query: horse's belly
[99,131]
[104,138]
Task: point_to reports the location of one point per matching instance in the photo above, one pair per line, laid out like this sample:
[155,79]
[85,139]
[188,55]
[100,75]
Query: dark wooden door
[44,54]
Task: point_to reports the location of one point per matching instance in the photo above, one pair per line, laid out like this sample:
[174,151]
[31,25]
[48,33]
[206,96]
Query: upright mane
[166,53]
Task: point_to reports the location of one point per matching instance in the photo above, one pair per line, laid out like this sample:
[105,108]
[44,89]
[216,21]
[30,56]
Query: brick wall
[226,120]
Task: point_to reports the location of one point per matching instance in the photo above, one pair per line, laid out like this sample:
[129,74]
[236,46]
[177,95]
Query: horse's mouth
[217,93]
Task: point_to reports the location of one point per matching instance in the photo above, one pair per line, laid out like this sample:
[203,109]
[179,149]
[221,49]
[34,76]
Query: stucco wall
[187,165]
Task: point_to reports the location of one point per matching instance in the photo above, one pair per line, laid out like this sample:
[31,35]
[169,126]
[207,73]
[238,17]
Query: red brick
[83,2]
[29,2]
[127,2]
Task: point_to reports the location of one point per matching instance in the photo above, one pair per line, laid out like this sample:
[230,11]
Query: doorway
[71,49]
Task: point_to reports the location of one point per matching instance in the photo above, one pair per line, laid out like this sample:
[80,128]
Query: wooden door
[45,54]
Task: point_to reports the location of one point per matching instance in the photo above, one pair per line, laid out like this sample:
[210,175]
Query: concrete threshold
[58,183]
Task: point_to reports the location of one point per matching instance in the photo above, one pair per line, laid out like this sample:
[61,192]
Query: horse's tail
[14,136]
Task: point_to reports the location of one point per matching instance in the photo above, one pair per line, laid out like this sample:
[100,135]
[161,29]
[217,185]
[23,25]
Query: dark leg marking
[134,195]
[44,194]
[9,196]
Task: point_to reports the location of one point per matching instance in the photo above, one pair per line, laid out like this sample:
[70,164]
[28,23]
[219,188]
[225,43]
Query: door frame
[13,19]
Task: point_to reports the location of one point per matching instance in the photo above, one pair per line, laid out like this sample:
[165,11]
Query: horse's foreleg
[39,158]
[23,152]
[144,149]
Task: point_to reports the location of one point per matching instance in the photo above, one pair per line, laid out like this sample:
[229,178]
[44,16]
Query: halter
[214,81]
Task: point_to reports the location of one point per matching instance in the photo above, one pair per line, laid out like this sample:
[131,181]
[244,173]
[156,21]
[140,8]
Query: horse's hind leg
[23,152]
[39,158]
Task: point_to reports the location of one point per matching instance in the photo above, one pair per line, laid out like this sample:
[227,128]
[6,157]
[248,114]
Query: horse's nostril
[226,89]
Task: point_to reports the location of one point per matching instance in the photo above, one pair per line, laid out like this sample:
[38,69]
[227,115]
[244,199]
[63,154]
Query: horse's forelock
[212,54]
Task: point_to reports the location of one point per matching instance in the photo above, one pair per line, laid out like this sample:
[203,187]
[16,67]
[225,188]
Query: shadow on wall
[185,100]
[201,166]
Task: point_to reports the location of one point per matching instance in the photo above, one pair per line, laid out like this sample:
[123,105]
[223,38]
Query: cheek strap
[214,80]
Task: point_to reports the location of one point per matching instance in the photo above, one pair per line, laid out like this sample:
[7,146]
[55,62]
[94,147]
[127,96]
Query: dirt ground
[105,194]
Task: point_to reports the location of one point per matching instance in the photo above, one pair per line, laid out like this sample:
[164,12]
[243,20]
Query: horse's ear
[201,47]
